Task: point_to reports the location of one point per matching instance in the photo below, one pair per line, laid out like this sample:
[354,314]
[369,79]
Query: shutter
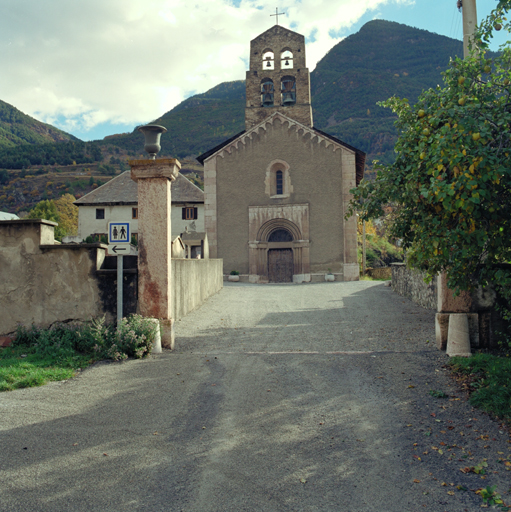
[195,214]
[183,213]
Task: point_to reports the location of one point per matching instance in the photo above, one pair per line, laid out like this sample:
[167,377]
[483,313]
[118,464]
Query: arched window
[288,90]
[286,59]
[280,235]
[279,182]
[267,92]
[268,60]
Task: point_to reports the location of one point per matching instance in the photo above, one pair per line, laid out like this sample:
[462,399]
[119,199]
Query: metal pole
[119,288]
[469,11]
[363,248]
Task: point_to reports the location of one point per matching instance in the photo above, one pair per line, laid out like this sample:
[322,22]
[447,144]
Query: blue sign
[118,232]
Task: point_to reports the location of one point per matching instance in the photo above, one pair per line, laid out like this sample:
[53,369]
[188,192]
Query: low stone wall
[42,282]
[193,281]
[410,283]
[379,272]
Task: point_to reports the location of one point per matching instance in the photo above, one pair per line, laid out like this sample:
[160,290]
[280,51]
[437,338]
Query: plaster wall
[44,283]
[88,224]
[193,281]
[318,171]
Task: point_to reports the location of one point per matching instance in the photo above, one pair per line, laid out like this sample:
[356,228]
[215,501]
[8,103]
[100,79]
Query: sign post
[119,243]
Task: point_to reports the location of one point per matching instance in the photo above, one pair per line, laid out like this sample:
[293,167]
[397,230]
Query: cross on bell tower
[277,14]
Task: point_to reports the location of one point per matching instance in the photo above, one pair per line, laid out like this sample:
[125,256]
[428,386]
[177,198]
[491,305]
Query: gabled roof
[122,190]
[360,156]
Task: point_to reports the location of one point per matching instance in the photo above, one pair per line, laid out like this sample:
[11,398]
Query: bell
[286,63]
[288,99]
[152,134]
[267,100]
[268,64]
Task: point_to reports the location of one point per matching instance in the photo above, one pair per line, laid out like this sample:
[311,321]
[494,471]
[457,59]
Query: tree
[68,213]
[61,211]
[450,185]
[47,210]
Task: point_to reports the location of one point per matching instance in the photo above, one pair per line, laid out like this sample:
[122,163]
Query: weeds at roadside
[38,356]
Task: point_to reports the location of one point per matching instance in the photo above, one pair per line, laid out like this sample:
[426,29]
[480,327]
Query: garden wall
[43,282]
[410,283]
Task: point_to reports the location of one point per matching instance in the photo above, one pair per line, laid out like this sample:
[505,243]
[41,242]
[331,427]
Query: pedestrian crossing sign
[118,232]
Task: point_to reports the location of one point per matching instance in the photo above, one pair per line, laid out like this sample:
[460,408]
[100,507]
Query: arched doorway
[280,260]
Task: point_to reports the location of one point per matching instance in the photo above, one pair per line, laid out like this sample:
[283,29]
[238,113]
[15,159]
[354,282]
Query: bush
[134,337]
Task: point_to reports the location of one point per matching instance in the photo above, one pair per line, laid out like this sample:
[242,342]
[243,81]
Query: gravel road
[277,398]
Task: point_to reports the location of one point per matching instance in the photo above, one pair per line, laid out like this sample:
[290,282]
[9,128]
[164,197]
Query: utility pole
[469,11]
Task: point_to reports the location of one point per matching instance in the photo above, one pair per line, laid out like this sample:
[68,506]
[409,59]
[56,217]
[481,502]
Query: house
[276,194]
[117,200]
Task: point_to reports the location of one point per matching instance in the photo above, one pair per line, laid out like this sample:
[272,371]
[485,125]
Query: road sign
[118,232]
[119,249]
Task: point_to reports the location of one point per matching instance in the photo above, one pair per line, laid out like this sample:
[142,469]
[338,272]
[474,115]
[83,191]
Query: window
[134,213]
[100,213]
[279,182]
[268,60]
[286,60]
[189,213]
[267,92]
[288,90]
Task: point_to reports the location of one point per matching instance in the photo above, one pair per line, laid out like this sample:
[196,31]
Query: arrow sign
[119,248]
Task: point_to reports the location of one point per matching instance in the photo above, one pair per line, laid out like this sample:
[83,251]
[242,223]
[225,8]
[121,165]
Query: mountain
[197,124]
[18,128]
[381,60]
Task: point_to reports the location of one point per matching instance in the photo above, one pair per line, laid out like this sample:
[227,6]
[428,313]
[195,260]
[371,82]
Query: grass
[487,377]
[35,370]
[38,356]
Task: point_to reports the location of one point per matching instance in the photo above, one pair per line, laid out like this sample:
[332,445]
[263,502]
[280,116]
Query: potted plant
[235,276]
[329,276]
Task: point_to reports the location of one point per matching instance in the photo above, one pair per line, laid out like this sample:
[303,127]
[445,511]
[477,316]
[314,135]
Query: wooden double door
[280,265]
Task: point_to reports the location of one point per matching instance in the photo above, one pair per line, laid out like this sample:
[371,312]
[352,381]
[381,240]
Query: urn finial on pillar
[152,134]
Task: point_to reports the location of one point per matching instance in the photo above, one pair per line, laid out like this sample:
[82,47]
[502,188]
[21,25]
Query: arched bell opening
[267,92]
[288,90]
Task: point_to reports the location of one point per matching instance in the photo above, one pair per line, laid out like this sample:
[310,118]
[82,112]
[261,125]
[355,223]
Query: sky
[98,67]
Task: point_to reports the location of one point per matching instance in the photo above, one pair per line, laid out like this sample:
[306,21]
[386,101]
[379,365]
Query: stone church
[276,193]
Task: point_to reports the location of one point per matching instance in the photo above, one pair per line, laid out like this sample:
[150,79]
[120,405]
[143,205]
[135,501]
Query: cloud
[130,61]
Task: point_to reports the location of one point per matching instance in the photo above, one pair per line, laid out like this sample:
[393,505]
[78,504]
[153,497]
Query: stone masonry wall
[410,283]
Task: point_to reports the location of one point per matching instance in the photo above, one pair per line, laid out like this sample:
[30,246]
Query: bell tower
[278,80]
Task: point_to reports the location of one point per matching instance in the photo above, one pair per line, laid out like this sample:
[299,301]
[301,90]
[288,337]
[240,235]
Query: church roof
[360,156]
[278,29]
[122,190]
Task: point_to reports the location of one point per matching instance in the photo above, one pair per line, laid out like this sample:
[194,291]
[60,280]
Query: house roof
[360,156]
[122,190]
[8,216]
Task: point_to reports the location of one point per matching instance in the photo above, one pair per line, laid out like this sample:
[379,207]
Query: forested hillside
[382,59]
[18,128]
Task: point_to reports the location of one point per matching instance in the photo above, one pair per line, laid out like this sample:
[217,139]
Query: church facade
[276,194]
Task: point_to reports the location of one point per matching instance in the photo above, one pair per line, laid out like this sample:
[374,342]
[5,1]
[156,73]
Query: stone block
[441,330]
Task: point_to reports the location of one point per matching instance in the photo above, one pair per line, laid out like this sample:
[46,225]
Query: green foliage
[490,382]
[437,394]
[134,240]
[134,337]
[491,496]
[451,181]
[235,273]
[47,209]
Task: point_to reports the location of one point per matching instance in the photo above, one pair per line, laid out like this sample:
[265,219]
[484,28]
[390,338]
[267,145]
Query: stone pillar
[153,178]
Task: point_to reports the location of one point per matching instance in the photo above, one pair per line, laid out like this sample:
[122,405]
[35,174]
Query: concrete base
[442,329]
[351,272]
[157,339]
[458,339]
[167,333]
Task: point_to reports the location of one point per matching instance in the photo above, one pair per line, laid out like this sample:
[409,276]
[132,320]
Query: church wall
[316,177]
